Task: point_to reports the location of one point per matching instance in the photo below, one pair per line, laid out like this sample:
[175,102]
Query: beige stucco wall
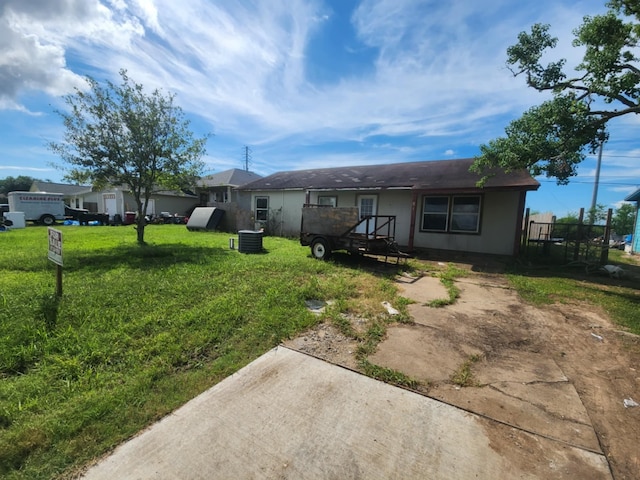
[497,228]
[285,211]
[162,203]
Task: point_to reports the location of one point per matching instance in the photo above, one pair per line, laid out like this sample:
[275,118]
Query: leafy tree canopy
[16,184]
[623,219]
[552,138]
[119,135]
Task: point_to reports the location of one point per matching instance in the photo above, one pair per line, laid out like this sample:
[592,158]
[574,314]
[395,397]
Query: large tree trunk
[140,229]
[142,215]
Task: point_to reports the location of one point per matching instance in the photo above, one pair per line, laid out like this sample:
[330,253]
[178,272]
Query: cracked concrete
[532,369]
[514,382]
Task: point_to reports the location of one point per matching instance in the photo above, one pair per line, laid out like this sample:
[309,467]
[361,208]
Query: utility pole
[594,197]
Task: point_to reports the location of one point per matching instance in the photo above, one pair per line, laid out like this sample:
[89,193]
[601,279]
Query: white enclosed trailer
[39,207]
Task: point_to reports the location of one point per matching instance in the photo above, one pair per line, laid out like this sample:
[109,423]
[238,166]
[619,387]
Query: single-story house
[221,187]
[74,195]
[220,190]
[437,204]
[118,200]
[635,240]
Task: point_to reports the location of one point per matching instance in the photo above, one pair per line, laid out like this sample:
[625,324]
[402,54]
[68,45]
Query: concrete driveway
[290,415]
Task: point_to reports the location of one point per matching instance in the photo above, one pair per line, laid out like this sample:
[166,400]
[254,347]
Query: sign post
[55,255]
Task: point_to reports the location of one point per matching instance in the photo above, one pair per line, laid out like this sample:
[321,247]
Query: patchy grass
[388,375]
[447,278]
[463,377]
[140,330]
[619,298]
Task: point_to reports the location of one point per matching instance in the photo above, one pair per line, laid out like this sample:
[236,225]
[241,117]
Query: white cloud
[37,35]
[437,71]
[22,168]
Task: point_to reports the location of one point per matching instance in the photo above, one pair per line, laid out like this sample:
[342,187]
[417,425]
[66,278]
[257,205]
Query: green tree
[552,138]
[15,184]
[597,214]
[119,135]
[571,217]
[623,219]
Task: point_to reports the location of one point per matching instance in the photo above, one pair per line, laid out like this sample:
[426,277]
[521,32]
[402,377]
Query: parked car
[74,213]
[85,217]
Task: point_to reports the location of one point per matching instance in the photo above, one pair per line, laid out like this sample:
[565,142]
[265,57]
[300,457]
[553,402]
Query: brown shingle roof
[446,175]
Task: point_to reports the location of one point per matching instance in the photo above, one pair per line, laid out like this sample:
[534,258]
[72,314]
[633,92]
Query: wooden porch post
[412,225]
[518,240]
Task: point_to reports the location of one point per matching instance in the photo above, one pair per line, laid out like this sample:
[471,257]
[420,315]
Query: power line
[617,156]
[590,182]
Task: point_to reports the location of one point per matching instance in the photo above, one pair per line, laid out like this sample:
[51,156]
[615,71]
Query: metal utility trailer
[327,229]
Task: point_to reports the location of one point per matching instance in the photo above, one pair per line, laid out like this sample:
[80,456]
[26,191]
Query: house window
[456,214]
[262,209]
[465,214]
[329,201]
[435,214]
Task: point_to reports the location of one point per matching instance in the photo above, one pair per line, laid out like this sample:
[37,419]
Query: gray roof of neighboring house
[64,188]
[634,197]
[70,190]
[435,176]
[229,178]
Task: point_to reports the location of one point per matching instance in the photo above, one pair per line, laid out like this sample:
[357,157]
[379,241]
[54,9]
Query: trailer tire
[320,249]
[48,220]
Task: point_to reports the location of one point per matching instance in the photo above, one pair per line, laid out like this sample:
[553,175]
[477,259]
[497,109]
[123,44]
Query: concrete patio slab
[423,289]
[289,415]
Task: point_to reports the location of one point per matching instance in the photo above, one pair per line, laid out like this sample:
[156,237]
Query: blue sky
[303,83]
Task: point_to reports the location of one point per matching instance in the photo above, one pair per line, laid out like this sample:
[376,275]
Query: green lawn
[140,330]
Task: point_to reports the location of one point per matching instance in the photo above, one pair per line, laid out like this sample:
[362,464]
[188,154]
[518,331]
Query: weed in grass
[48,310]
[447,278]
[401,305]
[343,323]
[373,336]
[463,377]
[388,375]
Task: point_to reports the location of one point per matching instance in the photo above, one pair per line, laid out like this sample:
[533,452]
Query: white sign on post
[55,246]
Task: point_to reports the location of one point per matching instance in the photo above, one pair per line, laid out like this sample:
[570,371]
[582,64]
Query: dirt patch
[326,342]
[561,372]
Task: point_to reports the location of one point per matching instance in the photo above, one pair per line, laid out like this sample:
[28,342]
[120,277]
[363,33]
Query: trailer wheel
[48,220]
[320,249]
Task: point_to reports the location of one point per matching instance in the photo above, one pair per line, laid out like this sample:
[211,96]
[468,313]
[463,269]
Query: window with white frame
[456,214]
[262,209]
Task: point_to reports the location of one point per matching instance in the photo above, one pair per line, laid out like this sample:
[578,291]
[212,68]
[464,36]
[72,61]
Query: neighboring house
[221,187]
[118,200]
[74,195]
[220,190]
[635,240]
[437,204]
